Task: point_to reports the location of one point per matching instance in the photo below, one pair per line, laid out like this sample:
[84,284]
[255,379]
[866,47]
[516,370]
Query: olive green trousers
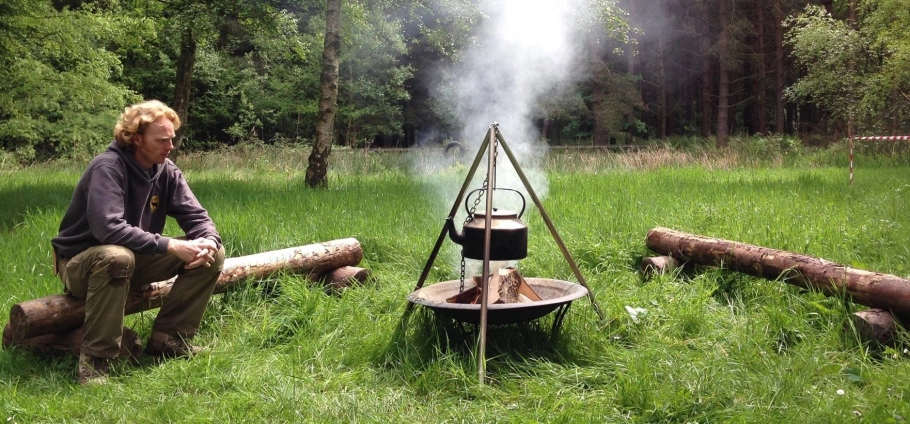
[104,275]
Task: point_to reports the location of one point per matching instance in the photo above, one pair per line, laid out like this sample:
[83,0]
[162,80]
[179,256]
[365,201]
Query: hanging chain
[461,286]
[473,208]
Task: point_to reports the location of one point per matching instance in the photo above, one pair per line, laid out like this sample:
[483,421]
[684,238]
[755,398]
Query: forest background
[642,71]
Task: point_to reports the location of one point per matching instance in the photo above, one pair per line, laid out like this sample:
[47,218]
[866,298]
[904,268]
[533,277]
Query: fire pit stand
[555,301]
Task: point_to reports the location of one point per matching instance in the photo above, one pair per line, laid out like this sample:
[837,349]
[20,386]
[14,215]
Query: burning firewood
[513,288]
[469,297]
[506,286]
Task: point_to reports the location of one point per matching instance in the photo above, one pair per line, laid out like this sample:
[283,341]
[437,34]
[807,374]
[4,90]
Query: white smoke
[524,51]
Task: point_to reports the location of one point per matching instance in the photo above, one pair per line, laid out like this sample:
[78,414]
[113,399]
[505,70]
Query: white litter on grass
[636,313]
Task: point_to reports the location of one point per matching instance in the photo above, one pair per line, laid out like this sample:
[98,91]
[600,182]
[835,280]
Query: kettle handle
[468,197]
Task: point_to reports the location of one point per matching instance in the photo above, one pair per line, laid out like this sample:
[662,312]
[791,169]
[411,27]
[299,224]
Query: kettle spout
[454,235]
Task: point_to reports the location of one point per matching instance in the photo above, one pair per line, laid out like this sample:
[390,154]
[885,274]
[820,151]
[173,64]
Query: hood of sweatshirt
[135,169]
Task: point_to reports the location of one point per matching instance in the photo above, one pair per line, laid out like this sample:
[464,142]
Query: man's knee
[118,261]
[218,263]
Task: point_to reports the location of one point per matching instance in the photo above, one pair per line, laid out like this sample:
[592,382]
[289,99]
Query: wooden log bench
[53,323]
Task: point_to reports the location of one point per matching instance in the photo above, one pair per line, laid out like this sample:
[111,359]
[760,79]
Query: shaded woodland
[248,71]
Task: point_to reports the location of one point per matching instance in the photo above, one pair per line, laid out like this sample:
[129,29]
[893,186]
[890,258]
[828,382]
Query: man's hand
[196,253]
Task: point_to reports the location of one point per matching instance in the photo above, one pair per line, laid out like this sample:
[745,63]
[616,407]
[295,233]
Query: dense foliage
[248,70]
[858,72]
[59,89]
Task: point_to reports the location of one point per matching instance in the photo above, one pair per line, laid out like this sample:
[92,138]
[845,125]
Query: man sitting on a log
[110,241]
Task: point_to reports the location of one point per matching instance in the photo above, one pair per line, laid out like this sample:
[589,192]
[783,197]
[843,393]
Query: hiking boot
[93,371]
[164,346]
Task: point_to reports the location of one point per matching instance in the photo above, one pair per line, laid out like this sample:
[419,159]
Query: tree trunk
[631,57]
[599,87]
[317,171]
[791,113]
[350,135]
[184,84]
[704,42]
[872,289]
[779,117]
[723,80]
[661,80]
[59,313]
[762,69]
[851,14]
[632,62]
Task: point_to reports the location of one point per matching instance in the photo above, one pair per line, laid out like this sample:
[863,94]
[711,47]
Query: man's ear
[135,138]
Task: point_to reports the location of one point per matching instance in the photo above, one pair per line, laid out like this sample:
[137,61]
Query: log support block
[875,325]
[339,279]
[658,265]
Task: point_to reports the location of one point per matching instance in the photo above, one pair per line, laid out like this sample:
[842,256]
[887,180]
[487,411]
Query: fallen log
[61,313]
[873,289]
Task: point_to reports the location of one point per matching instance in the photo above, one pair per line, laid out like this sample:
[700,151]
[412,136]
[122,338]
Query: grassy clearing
[715,346]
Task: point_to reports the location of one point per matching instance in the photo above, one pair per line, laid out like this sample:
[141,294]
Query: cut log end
[874,325]
[658,265]
[339,279]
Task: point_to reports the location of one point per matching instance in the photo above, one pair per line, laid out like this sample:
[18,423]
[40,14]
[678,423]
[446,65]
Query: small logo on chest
[154,203]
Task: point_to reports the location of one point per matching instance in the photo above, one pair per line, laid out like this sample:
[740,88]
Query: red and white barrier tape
[874,138]
[886,138]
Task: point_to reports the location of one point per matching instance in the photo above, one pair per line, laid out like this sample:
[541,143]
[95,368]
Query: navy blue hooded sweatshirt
[117,202]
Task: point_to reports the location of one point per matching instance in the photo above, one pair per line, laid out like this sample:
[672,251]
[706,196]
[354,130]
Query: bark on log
[509,283]
[877,290]
[60,313]
[70,343]
[338,279]
[468,296]
[513,288]
[474,294]
[876,325]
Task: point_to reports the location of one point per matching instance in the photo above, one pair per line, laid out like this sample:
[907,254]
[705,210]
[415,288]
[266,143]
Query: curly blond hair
[137,117]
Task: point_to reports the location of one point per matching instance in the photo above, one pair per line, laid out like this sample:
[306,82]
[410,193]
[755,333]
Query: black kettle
[508,235]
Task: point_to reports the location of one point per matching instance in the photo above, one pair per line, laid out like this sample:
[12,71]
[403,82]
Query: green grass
[714,346]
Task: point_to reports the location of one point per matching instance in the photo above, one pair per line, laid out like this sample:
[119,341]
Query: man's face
[153,146]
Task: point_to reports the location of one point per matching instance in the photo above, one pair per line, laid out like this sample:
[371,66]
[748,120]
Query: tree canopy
[247,71]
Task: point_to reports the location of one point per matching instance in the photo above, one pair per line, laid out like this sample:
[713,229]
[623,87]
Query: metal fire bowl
[553,294]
